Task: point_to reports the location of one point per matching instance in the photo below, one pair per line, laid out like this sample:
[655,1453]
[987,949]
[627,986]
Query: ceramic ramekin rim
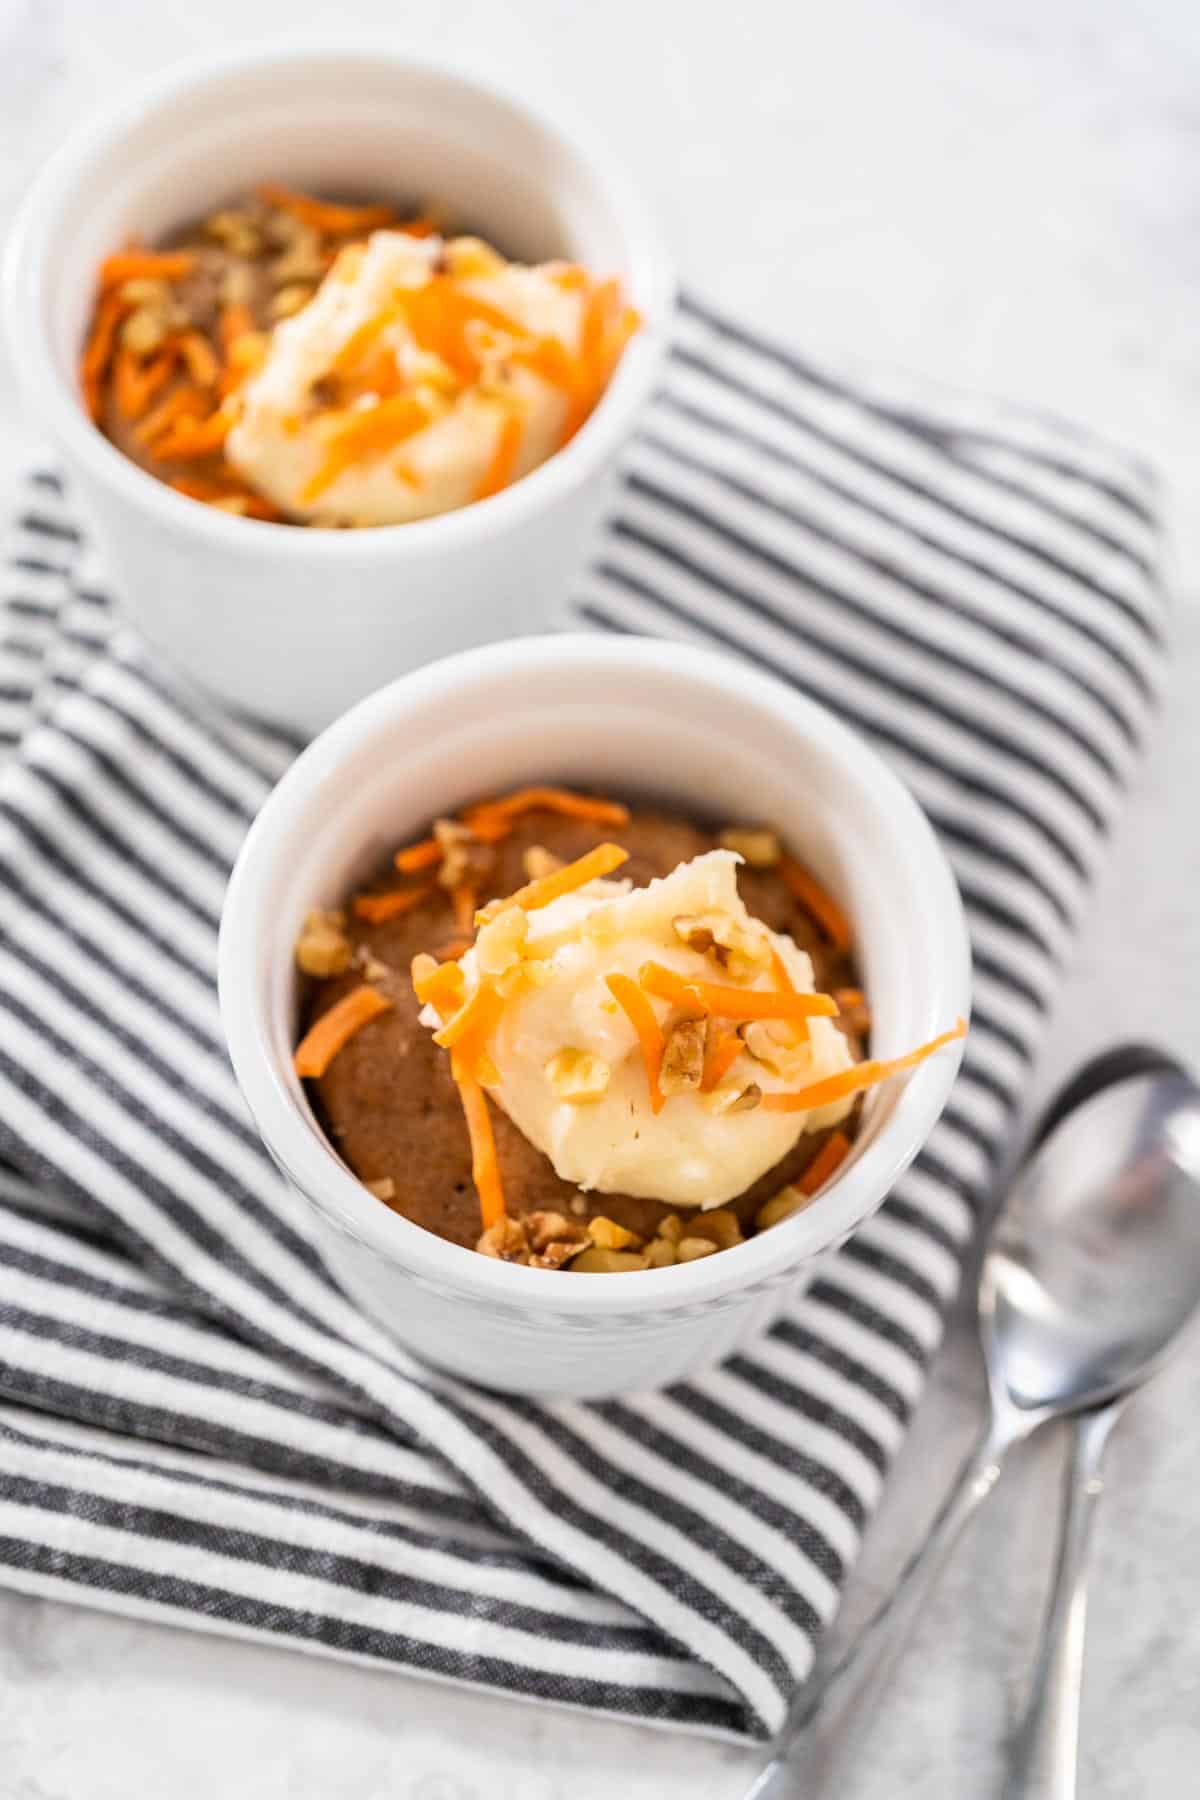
[56,401]
[332,1187]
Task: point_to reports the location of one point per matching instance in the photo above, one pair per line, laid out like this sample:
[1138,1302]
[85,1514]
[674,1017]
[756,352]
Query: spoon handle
[1044,1754]
[834,1701]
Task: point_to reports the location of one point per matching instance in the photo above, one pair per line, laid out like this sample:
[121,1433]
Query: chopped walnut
[595,1261]
[734,1097]
[721,1226]
[608,1235]
[782,1205]
[464,858]
[235,232]
[237,286]
[577,1077]
[506,1240]
[290,299]
[501,941]
[557,1254]
[144,330]
[369,963]
[323,949]
[538,862]
[544,1228]
[660,1253]
[383,1189]
[671,1228]
[683,1057]
[691,1249]
[729,944]
[760,847]
[770,1049]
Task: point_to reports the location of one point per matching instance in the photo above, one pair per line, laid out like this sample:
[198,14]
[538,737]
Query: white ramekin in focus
[700,732]
[297,624]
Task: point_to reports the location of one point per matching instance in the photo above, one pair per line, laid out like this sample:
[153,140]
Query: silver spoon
[1091,1273]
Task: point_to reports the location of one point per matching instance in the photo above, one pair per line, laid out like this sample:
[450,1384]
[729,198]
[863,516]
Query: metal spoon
[1092,1270]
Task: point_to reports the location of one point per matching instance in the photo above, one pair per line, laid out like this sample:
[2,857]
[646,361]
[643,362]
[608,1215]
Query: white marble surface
[1002,192]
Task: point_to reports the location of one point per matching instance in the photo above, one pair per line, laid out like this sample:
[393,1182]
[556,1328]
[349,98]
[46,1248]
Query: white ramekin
[700,732]
[295,625]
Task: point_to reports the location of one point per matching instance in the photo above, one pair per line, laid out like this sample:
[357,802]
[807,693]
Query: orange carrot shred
[414,857]
[135,384]
[731,1002]
[365,431]
[98,349]
[134,264]
[547,799]
[325,215]
[829,1157]
[200,358]
[236,321]
[440,987]
[719,1058]
[376,909]
[862,1075]
[182,402]
[598,862]
[641,1015]
[499,471]
[473,1021]
[190,438]
[820,906]
[485,1170]
[334,1029]
[453,950]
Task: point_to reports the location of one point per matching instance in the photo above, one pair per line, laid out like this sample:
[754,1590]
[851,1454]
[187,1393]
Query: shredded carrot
[463,898]
[98,349]
[474,1020]
[325,215]
[830,1156]
[600,861]
[200,358]
[145,265]
[606,329]
[183,402]
[453,950]
[641,1015]
[236,321]
[420,227]
[862,1075]
[136,383]
[364,431]
[439,314]
[440,987]
[334,1029]
[414,857]
[545,799]
[225,495]
[190,438]
[719,1058]
[376,909]
[820,906]
[731,1002]
[499,471]
[485,1170]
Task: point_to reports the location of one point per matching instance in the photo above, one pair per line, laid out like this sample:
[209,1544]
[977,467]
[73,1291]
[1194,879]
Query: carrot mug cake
[588,1038]
[311,362]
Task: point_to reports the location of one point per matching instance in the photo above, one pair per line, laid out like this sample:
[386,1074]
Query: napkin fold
[195,1423]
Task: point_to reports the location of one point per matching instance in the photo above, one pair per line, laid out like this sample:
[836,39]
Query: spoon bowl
[1094,1266]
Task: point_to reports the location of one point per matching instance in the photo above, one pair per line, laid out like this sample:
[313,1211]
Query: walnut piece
[383,1189]
[501,941]
[235,232]
[691,1249]
[544,1228]
[595,1261]
[683,1057]
[608,1235]
[733,1097]
[323,949]
[538,862]
[464,858]
[729,944]
[782,1205]
[506,1240]
[577,1077]
[721,1227]
[760,847]
[290,299]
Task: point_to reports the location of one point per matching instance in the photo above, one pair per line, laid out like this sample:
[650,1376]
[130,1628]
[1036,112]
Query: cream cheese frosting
[564,1060]
[492,409]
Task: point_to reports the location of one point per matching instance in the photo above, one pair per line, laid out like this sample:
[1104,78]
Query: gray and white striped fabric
[195,1424]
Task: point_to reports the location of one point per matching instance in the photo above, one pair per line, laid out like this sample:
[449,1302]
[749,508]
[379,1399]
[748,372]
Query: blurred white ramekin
[296,624]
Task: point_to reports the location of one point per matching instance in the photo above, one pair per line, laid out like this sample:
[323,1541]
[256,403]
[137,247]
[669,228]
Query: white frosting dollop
[694,1152]
[279,441]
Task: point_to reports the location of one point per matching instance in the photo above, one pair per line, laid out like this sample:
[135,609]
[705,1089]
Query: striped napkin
[195,1425]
